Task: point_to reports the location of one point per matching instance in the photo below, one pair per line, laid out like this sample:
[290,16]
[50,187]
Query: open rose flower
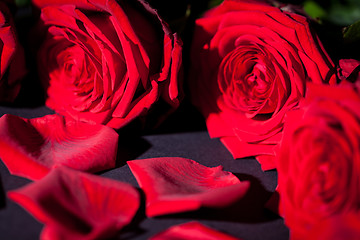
[250,65]
[106,61]
[319,158]
[12,67]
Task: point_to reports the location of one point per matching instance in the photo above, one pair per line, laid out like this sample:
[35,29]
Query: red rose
[106,61]
[319,158]
[250,65]
[12,67]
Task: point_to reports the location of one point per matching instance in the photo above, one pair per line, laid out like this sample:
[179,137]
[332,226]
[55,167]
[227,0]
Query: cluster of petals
[73,204]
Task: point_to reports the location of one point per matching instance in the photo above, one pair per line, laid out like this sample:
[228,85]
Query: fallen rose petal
[174,185]
[78,205]
[31,147]
[192,230]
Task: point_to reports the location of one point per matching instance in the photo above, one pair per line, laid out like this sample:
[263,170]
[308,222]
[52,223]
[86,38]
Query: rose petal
[192,230]
[31,147]
[78,205]
[174,185]
[347,67]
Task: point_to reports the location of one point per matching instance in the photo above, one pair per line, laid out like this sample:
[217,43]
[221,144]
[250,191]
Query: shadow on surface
[2,195]
[131,144]
[186,118]
[133,229]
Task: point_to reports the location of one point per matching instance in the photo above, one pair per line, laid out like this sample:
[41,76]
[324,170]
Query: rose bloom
[250,65]
[12,67]
[319,158]
[106,61]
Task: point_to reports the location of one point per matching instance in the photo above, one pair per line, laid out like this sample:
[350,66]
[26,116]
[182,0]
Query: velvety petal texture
[250,65]
[107,61]
[78,205]
[319,158]
[192,230]
[31,147]
[12,62]
[174,185]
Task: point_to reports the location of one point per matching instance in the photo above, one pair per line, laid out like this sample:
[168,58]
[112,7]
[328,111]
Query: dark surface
[182,135]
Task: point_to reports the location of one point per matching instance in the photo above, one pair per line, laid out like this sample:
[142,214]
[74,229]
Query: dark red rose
[319,158]
[106,61]
[12,67]
[250,65]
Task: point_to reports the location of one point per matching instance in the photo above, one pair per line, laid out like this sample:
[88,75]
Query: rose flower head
[319,158]
[106,61]
[250,64]
[12,67]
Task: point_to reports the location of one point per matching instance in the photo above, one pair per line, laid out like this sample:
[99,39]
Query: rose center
[245,78]
[74,68]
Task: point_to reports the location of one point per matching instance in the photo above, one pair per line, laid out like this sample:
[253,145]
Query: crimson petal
[78,205]
[192,230]
[31,147]
[174,185]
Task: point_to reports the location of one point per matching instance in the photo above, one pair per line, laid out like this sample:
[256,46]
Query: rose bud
[106,61]
[319,158]
[250,65]
[12,67]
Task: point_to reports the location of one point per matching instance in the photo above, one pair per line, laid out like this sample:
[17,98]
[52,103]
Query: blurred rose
[12,67]
[106,61]
[338,227]
[250,65]
[319,158]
